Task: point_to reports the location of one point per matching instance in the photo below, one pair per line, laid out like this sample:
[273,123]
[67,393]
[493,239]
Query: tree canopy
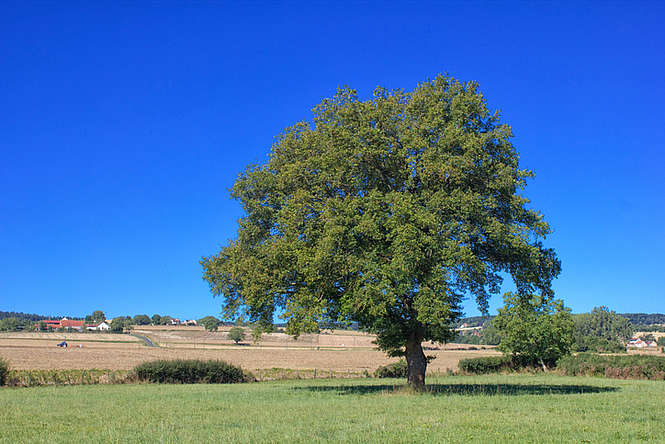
[210,323]
[388,212]
[141,319]
[602,330]
[534,330]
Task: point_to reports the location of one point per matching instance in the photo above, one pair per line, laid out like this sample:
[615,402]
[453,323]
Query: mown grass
[497,408]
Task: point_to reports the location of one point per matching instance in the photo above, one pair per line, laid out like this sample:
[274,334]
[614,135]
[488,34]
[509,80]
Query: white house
[102,326]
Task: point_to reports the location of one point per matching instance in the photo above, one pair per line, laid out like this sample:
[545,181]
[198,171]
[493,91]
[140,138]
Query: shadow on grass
[466,389]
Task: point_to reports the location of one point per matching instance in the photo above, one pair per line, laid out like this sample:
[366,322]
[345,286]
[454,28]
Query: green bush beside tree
[191,371]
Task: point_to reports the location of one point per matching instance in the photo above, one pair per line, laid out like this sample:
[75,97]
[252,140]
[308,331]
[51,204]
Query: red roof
[69,323]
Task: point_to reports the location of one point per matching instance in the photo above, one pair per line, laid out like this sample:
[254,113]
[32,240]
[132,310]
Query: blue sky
[123,126]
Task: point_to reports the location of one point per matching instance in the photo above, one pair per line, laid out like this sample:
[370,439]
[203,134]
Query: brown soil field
[336,352]
[93,337]
[198,336]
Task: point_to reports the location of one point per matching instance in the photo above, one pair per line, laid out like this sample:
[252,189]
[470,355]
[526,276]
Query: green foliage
[121,324]
[37,378]
[387,212]
[210,323]
[488,335]
[141,320]
[656,328]
[98,316]
[11,324]
[4,371]
[395,370]
[165,320]
[602,330]
[156,319]
[191,372]
[622,367]
[484,365]
[661,341]
[236,334]
[534,330]
[644,319]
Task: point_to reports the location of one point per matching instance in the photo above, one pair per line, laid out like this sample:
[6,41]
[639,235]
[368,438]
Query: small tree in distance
[602,330]
[236,334]
[534,330]
[141,319]
[210,323]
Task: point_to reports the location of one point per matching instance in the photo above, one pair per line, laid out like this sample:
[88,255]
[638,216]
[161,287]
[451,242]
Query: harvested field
[78,337]
[323,352]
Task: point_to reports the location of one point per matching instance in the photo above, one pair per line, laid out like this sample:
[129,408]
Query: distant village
[78,325]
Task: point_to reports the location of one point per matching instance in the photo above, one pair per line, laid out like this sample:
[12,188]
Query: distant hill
[644,318]
[475,321]
[29,316]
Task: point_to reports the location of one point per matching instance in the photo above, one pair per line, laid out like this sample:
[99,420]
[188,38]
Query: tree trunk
[416,363]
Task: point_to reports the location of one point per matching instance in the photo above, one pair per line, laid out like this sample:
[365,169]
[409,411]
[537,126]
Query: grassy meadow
[497,408]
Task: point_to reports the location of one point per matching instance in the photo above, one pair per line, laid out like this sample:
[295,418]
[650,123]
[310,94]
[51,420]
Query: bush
[489,364]
[236,334]
[191,371]
[4,370]
[622,367]
[395,370]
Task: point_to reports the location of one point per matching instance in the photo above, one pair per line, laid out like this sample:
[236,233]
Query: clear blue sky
[122,128]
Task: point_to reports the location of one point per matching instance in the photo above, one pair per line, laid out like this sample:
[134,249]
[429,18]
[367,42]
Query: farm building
[63,323]
[102,326]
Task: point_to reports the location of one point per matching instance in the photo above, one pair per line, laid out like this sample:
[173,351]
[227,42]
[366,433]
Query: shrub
[489,364]
[236,334]
[191,371]
[4,370]
[622,367]
[395,370]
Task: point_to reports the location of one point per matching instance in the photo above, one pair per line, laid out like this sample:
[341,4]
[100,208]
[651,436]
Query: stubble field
[333,351]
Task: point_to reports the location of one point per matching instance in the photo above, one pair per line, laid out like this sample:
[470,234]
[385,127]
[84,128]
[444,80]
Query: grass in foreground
[507,408]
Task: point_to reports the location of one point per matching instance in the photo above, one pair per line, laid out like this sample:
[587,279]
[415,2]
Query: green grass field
[520,408]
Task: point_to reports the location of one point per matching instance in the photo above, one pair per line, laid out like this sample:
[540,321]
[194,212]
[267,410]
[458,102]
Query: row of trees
[548,330]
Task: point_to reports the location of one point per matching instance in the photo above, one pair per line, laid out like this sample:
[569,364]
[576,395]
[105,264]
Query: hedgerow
[191,371]
[621,367]
[489,364]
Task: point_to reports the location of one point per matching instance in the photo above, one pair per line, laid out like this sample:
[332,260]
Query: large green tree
[388,212]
